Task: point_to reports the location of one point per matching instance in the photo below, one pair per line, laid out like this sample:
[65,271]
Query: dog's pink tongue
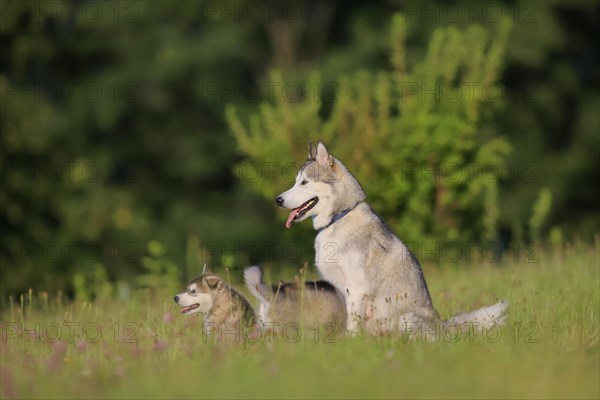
[288,223]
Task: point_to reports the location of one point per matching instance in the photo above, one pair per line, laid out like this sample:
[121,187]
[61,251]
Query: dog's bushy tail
[485,316]
[253,279]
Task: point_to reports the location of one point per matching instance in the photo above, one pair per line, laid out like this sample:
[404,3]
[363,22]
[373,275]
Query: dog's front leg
[355,306]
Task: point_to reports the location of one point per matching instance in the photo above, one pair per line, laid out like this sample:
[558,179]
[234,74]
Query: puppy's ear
[213,281]
[323,157]
[206,270]
[312,152]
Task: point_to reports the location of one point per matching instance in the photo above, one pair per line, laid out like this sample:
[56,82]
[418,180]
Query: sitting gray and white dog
[382,281]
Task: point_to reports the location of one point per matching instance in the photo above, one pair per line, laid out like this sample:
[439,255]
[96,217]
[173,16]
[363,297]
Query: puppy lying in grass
[223,307]
[315,304]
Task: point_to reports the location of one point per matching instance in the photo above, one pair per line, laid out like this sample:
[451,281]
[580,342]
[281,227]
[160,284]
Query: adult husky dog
[356,252]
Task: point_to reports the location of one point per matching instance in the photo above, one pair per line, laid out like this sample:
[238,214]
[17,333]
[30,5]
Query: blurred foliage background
[143,139]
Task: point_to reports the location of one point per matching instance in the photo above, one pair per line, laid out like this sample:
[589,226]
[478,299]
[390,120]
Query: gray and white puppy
[222,306]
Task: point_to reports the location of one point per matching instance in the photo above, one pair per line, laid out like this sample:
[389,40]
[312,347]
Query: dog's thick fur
[222,306]
[382,281]
[312,303]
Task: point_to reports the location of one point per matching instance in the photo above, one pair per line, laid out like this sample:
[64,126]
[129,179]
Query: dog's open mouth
[185,310]
[300,211]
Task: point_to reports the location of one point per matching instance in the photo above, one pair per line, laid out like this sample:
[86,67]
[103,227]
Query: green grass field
[144,349]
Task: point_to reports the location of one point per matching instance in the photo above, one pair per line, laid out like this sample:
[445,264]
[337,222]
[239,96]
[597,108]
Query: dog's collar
[336,218]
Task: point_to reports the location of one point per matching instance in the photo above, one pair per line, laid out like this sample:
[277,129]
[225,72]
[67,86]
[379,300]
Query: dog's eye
[193,291]
[304,182]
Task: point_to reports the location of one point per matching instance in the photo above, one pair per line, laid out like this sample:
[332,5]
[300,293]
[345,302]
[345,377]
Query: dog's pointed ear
[323,157]
[312,152]
[206,270]
[213,281]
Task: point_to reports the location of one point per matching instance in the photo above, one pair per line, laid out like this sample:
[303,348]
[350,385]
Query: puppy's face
[198,298]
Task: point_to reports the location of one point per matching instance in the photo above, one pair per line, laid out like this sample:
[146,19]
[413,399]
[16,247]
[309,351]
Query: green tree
[110,137]
[410,134]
